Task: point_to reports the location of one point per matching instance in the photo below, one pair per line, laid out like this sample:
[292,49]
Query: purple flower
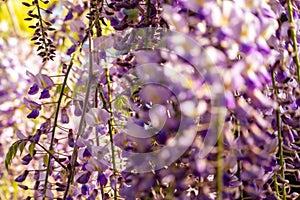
[46,126]
[33,89]
[101,179]
[102,54]
[298,102]
[93,195]
[246,48]
[69,16]
[155,94]
[84,178]
[26,159]
[87,153]
[71,50]
[84,166]
[84,189]
[34,107]
[45,94]
[161,137]
[60,185]
[22,177]
[64,116]
[31,104]
[36,175]
[42,80]
[20,135]
[96,116]
[70,138]
[113,182]
[34,114]
[69,197]
[24,187]
[36,137]
[3,93]
[77,110]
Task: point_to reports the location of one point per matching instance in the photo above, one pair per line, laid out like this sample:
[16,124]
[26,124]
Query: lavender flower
[64,116]
[45,94]
[96,116]
[33,89]
[22,177]
[240,54]
[101,179]
[84,178]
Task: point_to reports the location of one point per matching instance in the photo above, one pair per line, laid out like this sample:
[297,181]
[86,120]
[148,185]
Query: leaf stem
[55,125]
[276,184]
[41,25]
[280,140]
[148,10]
[294,37]
[111,124]
[239,171]
[56,159]
[82,122]
[220,145]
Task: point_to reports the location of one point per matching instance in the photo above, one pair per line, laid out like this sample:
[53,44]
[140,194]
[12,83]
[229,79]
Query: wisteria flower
[96,116]
[241,54]
[41,81]
[34,107]
[22,177]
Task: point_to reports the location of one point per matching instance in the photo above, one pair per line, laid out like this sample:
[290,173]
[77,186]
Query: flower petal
[33,89]
[96,116]
[34,114]
[45,94]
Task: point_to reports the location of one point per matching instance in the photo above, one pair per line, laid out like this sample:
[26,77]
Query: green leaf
[68,103]
[8,159]
[45,159]
[58,90]
[15,149]
[66,90]
[31,149]
[21,146]
[12,151]
[26,4]
[64,174]
[121,102]
[132,13]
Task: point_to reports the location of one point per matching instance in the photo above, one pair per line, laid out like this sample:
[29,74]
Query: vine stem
[47,151]
[219,173]
[56,159]
[148,10]
[82,122]
[55,124]
[294,37]
[276,184]
[280,141]
[111,124]
[239,170]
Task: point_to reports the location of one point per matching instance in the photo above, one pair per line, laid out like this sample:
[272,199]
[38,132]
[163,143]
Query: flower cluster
[153,99]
